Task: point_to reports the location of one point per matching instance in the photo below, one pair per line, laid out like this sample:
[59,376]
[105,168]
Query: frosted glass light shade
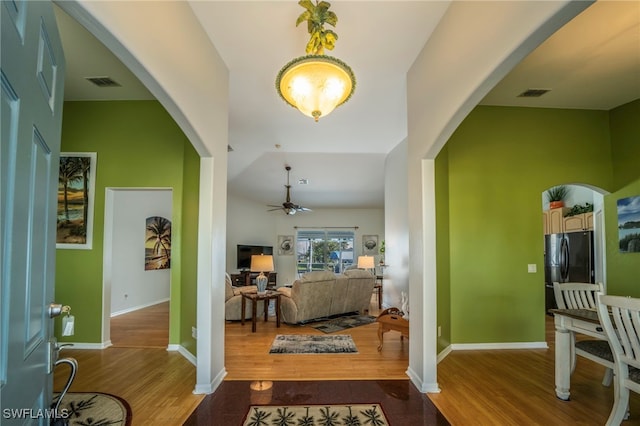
[316,84]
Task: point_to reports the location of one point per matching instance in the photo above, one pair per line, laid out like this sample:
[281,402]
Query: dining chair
[620,318]
[584,296]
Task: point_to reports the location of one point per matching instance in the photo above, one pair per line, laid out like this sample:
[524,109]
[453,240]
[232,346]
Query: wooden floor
[144,328]
[493,387]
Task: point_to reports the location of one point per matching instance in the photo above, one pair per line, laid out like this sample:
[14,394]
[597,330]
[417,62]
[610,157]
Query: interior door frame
[107,258]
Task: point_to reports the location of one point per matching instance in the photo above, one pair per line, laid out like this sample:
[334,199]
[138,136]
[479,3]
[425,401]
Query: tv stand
[246,277]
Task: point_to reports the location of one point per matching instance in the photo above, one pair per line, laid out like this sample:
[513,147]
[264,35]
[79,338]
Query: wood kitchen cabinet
[579,222]
[553,220]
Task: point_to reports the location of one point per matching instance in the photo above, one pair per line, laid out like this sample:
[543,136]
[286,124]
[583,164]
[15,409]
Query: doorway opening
[136,267]
[574,235]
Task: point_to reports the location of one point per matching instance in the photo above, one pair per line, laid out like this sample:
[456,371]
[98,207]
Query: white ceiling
[592,63]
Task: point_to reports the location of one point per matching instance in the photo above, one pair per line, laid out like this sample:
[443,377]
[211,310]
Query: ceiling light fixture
[316,83]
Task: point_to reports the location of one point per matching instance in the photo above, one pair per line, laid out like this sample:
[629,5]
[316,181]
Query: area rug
[342,323]
[94,408]
[312,344]
[356,414]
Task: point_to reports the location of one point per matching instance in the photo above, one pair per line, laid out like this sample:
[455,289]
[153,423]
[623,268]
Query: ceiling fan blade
[272,210]
[273,205]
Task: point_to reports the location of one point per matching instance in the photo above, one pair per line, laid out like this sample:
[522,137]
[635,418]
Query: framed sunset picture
[76,186]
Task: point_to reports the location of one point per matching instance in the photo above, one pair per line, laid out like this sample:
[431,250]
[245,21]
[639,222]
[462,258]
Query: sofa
[323,294]
[233,301]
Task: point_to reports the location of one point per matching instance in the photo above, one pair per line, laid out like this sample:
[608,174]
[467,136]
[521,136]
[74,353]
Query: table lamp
[366,262]
[261,263]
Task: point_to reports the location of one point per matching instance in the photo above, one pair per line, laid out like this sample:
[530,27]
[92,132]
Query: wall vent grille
[533,93]
[103,81]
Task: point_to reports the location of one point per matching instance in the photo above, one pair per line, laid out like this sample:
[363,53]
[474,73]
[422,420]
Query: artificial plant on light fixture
[316,83]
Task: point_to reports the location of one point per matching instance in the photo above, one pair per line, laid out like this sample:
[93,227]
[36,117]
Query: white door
[32,66]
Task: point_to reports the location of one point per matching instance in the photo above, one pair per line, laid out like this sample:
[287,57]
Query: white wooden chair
[584,296]
[620,318]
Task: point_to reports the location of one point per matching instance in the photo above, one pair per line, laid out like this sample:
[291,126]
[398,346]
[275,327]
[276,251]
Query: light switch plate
[532,268]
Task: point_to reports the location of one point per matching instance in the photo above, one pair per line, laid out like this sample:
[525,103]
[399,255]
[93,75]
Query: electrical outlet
[532,268]
[194,332]
[439,331]
[126,295]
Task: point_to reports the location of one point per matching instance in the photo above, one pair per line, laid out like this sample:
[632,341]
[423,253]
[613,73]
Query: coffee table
[255,298]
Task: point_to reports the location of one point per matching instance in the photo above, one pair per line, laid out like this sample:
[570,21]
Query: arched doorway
[574,236]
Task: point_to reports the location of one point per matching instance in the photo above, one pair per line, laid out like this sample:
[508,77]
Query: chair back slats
[626,316]
[576,295]
[624,340]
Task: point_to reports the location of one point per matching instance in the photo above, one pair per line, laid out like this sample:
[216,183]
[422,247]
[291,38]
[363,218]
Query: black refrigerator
[567,258]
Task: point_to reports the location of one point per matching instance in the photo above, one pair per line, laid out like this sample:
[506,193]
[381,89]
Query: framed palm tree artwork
[76,189]
[157,247]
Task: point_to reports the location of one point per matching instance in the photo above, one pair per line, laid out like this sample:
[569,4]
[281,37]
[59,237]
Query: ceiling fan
[288,207]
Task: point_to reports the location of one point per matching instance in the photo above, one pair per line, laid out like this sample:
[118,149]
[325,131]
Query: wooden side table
[255,297]
[378,288]
[391,319]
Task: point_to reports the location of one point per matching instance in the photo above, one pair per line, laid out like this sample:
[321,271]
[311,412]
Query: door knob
[55,309]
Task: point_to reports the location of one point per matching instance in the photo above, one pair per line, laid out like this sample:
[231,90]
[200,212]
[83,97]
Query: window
[324,250]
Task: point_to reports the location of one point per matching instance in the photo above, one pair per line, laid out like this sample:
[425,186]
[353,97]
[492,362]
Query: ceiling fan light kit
[316,84]
[288,207]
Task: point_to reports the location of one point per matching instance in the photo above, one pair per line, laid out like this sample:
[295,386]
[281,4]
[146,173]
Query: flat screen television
[246,251]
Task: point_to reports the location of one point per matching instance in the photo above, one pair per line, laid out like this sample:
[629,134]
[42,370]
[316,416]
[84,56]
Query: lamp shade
[366,262]
[261,263]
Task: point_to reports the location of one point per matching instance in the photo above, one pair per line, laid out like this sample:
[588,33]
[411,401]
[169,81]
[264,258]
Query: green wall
[625,143]
[190,206]
[138,145]
[442,248]
[623,269]
[500,160]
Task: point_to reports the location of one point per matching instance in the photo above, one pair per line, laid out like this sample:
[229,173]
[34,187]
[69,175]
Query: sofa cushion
[245,289]
[357,273]
[286,291]
[228,288]
[318,276]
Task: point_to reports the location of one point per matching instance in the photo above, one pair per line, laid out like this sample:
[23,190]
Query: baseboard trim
[81,345]
[136,308]
[210,387]
[184,352]
[492,346]
[443,354]
[420,385]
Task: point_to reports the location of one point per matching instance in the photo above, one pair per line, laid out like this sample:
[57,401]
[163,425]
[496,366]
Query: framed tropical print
[76,194]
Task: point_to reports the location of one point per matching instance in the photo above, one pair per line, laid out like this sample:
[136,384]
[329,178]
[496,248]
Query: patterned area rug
[342,323]
[360,414]
[312,344]
[94,408]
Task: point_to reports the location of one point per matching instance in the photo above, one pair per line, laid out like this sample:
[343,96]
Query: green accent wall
[625,143]
[443,249]
[623,269]
[189,279]
[138,145]
[500,160]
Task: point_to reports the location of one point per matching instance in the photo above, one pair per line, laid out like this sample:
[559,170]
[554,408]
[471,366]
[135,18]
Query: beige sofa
[233,301]
[322,294]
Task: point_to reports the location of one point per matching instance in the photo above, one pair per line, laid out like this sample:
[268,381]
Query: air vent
[303,181]
[533,93]
[229,149]
[103,81]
